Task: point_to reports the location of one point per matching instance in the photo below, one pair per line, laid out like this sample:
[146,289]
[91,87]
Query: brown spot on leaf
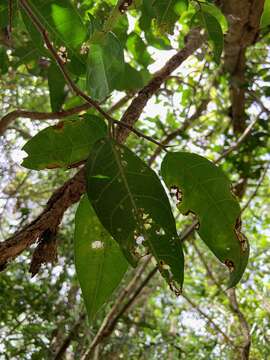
[176,194]
[197,226]
[59,126]
[190,212]
[74,165]
[53,166]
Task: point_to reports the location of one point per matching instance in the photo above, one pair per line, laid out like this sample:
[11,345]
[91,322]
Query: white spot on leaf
[97,245]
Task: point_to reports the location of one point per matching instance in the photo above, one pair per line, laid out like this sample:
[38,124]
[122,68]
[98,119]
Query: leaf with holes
[203,189]
[133,206]
[64,144]
[104,66]
[100,264]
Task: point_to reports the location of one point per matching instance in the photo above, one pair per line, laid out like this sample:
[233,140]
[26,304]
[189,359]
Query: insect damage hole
[240,236]
[164,266]
[230,265]
[139,250]
[140,239]
[177,290]
[176,194]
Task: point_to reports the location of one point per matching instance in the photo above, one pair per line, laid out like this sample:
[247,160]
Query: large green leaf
[100,264]
[64,24]
[105,65]
[203,189]
[64,144]
[62,20]
[133,206]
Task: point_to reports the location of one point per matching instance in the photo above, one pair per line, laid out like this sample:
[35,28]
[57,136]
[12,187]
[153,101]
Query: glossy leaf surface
[203,189]
[100,264]
[64,144]
[132,205]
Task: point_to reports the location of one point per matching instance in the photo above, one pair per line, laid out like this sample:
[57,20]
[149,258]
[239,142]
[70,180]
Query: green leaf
[3,14]
[131,79]
[56,83]
[133,206]
[61,19]
[217,13]
[64,144]
[168,12]
[100,264]
[265,19]
[65,27]
[214,31]
[159,41]
[105,65]
[205,191]
[138,49]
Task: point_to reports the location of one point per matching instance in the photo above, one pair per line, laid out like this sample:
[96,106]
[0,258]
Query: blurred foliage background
[43,317]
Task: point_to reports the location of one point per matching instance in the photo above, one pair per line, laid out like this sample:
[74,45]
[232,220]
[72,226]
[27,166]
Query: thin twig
[111,325]
[233,147]
[72,334]
[208,318]
[193,41]
[244,327]
[244,207]
[207,268]
[36,115]
[200,109]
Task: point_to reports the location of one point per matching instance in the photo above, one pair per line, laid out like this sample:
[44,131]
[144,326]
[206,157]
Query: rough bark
[244,23]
